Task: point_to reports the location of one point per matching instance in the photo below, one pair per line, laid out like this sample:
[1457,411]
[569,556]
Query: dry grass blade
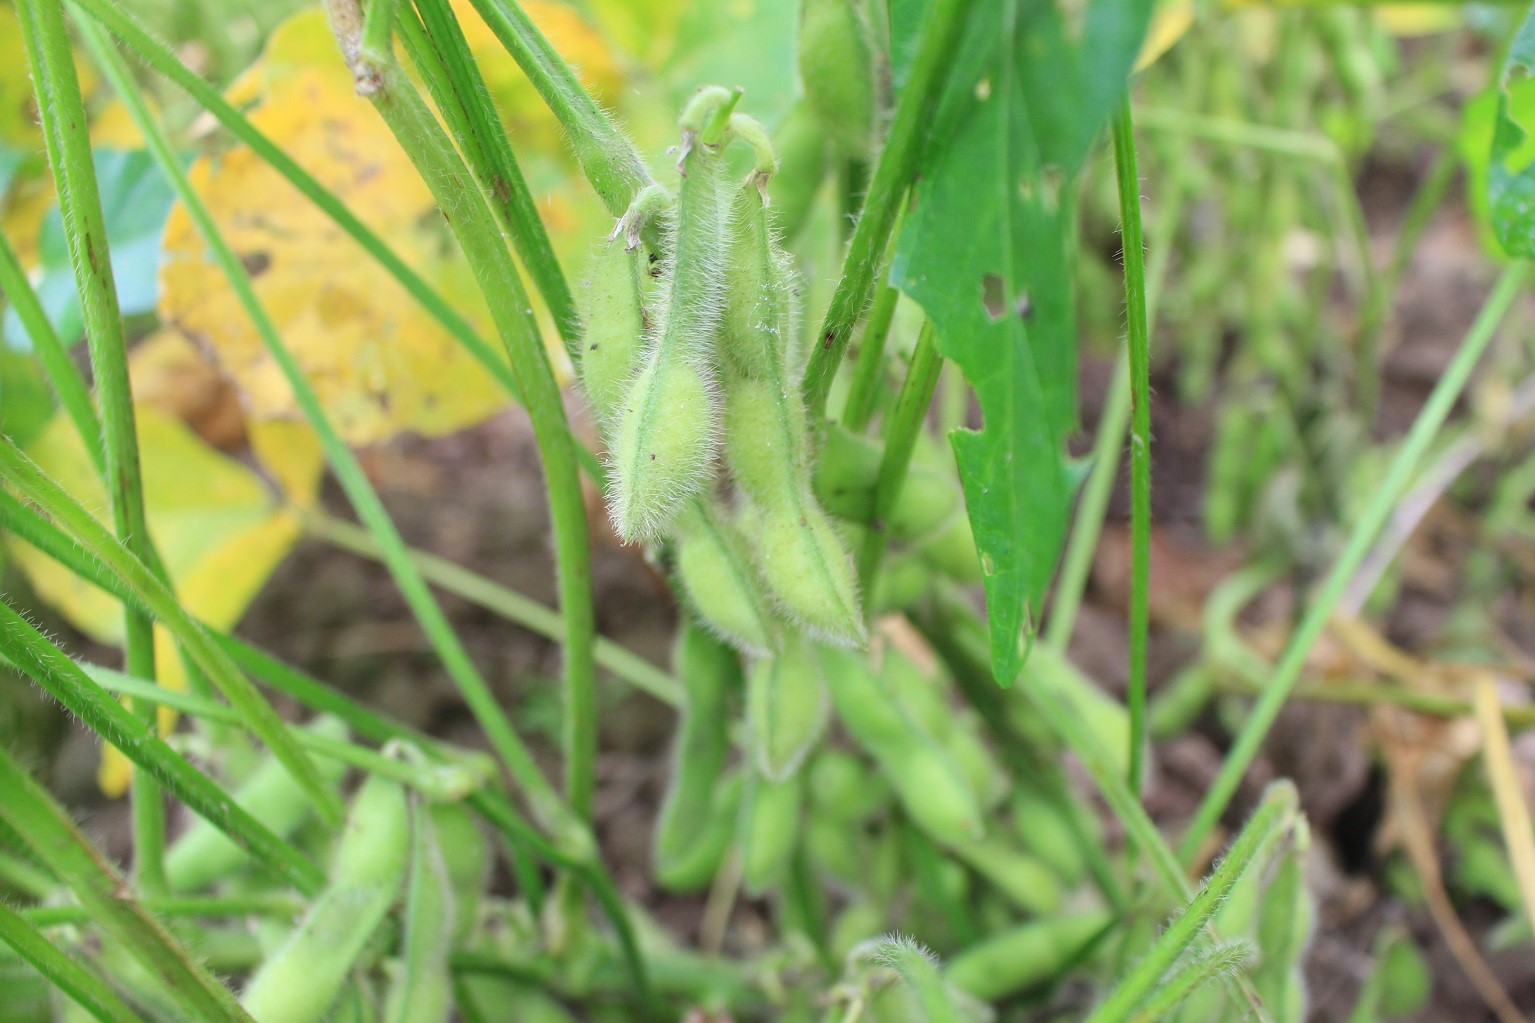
[1503,776]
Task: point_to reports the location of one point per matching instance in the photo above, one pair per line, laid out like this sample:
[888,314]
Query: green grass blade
[34,486]
[1133,247]
[82,986]
[1320,605]
[343,462]
[48,831]
[900,432]
[612,165]
[462,200]
[67,140]
[472,118]
[892,174]
[64,680]
[1274,815]
[63,377]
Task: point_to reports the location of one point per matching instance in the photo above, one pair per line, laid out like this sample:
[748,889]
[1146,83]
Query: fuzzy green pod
[844,788]
[466,854]
[951,551]
[204,855]
[1045,831]
[901,584]
[836,848]
[614,326]
[770,823]
[300,981]
[715,568]
[1285,919]
[846,471]
[710,671]
[836,69]
[1024,957]
[1027,882]
[860,920]
[801,559]
[694,867]
[786,708]
[802,160]
[666,430]
[422,990]
[955,729]
[928,784]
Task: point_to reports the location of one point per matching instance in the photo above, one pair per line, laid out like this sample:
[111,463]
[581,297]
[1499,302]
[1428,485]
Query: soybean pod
[614,326]
[710,671]
[770,823]
[715,569]
[1026,956]
[665,432]
[204,854]
[836,69]
[767,439]
[927,782]
[422,990]
[301,980]
[786,707]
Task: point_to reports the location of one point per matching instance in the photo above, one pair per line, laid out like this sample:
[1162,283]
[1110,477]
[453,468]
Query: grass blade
[82,986]
[66,137]
[1319,606]
[1503,777]
[48,831]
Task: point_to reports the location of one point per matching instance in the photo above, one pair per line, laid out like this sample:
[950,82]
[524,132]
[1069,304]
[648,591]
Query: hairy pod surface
[926,780]
[204,854]
[715,568]
[847,470]
[786,707]
[1029,883]
[709,671]
[665,435]
[1044,830]
[836,69]
[614,327]
[953,728]
[801,144]
[758,328]
[808,572]
[466,854]
[300,981]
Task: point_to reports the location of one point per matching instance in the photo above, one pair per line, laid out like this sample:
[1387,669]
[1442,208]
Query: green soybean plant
[823,384]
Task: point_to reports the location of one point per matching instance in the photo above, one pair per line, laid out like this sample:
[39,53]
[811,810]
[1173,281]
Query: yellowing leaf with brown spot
[379,363]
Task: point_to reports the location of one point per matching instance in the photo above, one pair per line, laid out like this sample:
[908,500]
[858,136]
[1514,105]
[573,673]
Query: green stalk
[464,206]
[1274,815]
[1200,969]
[504,601]
[1133,248]
[343,462]
[200,906]
[611,163]
[66,682]
[73,395]
[103,892]
[894,172]
[163,60]
[35,487]
[900,432]
[67,139]
[82,986]
[471,116]
[869,367]
[1319,606]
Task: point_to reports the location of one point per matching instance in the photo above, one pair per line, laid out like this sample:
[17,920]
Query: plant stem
[1320,605]
[73,395]
[900,432]
[502,600]
[52,835]
[1274,815]
[461,95]
[67,139]
[464,206]
[163,60]
[894,172]
[1133,249]
[869,367]
[82,986]
[611,163]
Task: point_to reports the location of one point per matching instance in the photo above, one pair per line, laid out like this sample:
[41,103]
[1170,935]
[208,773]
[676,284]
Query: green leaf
[986,252]
[1511,168]
[26,402]
[135,199]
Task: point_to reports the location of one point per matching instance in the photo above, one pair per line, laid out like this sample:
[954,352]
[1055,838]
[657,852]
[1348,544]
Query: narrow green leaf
[82,986]
[1511,167]
[48,831]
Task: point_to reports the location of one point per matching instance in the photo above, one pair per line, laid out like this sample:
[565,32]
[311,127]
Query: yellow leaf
[380,364]
[18,110]
[1418,19]
[1169,23]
